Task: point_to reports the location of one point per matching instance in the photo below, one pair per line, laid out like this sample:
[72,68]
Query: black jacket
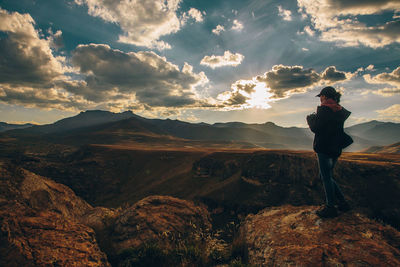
[328,128]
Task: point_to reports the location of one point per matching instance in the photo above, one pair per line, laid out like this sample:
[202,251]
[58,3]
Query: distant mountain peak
[94,111]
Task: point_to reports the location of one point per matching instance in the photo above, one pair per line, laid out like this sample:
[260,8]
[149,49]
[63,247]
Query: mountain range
[7,126]
[103,127]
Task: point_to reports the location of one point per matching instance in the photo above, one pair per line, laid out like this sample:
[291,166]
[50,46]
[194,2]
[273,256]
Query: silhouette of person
[329,140]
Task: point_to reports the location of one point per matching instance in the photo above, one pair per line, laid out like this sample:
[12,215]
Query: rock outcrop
[44,238]
[40,223]
[163,220]
[44,223]
[296,236]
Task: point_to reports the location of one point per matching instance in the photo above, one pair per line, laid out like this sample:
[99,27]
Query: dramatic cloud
[25,58]
[237,25]
[46,99]
[246,94]
[387,92]
[391,113]
[285,80]
[370,67]
[143,22]
[330,74]
[279,83]
[218,30]
[32,76]
[309,31]
[196,14]
[239,94]
[228,59]
[56,39]
[337,21]
[153,80]
[285,14]
[28,68]
[392,78]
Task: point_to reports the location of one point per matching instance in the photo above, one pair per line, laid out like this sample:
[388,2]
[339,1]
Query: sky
[198,61]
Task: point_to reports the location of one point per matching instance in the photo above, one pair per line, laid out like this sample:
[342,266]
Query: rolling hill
[105,127]
[395,148]
[7,126]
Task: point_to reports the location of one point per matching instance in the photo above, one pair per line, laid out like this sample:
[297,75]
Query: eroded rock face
[43,193]
[40,193]
[160,219]
[40,223]
[296,236]
[44,238]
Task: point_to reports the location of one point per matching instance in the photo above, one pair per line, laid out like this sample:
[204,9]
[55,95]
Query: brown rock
[44,238]
[99,218]
[164,220]
[39,192]
[43,193]
[296,236]
[40,223]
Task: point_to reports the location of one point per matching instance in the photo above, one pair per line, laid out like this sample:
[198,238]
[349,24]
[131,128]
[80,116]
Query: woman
[327,124]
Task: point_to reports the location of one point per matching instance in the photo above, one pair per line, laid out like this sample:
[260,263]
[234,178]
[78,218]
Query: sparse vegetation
[151,254]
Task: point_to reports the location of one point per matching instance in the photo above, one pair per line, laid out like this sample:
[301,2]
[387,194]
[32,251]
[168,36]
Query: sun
[260,97]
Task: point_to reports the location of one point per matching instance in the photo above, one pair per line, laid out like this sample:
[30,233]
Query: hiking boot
[343,206]
[327,212]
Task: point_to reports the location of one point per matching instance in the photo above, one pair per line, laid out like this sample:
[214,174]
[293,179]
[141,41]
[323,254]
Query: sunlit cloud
[228,59]
[246,94]
[28,67]
[392,78]
[387,92]
[104,77]
[25,57]
[237,25]
[46,99]
[143,22]
[279,83]
[196,14]
[287,80]
[150,78]
[309,31]
[336,20]
[390,113]
[332,75]
[193,13]
[370,67]
[218,30]
[285,14]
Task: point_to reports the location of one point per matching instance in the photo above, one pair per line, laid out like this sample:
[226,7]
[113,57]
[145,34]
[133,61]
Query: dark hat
[329,92]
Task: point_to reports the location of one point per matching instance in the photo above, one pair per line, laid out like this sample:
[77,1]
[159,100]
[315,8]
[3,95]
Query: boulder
[163,220]
[99,218]
[296,236]
[45,194]
[40,193]
[41,223]
[29,237]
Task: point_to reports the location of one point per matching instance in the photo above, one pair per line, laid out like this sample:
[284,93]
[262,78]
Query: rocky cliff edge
[296,236]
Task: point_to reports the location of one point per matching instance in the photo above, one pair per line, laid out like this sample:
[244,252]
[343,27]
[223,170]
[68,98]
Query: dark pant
[332,191]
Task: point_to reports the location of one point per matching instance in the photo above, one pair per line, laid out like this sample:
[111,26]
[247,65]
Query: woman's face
[322,98]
